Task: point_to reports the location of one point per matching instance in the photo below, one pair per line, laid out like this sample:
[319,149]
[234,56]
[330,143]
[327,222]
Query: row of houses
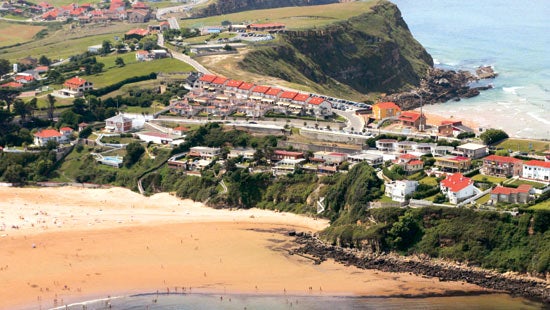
[504,166]
[139,12]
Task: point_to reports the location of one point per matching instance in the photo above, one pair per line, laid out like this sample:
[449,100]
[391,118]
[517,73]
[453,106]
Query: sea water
[510,35]
[249,302]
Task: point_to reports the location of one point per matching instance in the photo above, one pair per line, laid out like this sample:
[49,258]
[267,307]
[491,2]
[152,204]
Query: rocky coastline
[442,86]
[313,248]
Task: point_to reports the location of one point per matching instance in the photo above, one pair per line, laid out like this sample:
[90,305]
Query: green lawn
[292,17]
[545,205]
[488,178]
[113,74]
[483,199]
[13,33]
[522,145]
[532,183]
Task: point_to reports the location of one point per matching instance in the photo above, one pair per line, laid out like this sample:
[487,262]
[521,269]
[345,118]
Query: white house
[75,87]
[331,158]
[398,190]
[472,150]
[537,170]
[42,137]
[157,137]
[457,187]
[204,152]
[319,106]
[246,153]
[118,123]
[66,133]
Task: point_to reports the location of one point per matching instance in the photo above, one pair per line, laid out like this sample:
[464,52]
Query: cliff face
[233,6]
[374,51]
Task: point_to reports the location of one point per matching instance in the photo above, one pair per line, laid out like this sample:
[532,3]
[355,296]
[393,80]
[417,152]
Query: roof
[387,140]
[24,77]
[138,31]
[415,162]
[408,156]
[66,129]
[501,190]
[386,105]
[181,128]
[337,154]
[287,153]
[503,159]
[316,100]
[142,52]
[42,68]
[273,91]
[207,78]
[219,80]
[233,83]
[472,146]
[246,86]
[301,97]
[83,124]
[456,182]
[270,25]
[12,84]
[76,81]
[289,95]
[538,163]
[48,133]
[411,116]
[260,89]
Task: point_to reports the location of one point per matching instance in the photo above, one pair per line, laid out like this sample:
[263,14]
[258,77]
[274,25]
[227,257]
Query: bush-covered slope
[374,51]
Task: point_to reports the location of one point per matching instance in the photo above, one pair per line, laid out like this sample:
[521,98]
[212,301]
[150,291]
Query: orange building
[385,109]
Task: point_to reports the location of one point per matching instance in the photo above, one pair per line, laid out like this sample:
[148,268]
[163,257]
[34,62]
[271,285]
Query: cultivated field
[12,33]
[292,17]
[524,145]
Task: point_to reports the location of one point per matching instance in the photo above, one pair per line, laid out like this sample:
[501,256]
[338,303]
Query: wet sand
[112,242]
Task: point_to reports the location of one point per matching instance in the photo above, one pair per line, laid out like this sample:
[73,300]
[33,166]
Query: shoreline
[162,243]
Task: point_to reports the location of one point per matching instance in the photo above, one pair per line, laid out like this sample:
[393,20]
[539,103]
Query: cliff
[232,6]
[373,51]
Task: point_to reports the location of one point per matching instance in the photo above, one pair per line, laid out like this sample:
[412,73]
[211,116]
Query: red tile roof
[501,190]
[24,77]
[459,158]
[138,31]
[289,95]
[538,163]
[207,78]
[66,129]
[219,80]
[246,86]
[456,182]
[52,14]
[408,156]
[181,128]
[409,116]
[316,100]
[140,5]
[301,97]
[233,83]
[415,162]
[260,89]
[287,153]
[12,84]
[273,91]
[503,159]
[74,82]
[47,133]
[387,105]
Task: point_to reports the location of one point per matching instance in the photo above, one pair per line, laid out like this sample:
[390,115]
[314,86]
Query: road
[179,8]
[355,123]
[182,57]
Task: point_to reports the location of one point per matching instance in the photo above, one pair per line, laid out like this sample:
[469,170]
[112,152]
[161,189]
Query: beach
[64,245]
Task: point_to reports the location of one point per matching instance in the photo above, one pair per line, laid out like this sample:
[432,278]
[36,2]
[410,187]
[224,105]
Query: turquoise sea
[249,302]
[513,36]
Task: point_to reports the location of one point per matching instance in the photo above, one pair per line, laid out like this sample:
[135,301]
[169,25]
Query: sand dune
[76,244]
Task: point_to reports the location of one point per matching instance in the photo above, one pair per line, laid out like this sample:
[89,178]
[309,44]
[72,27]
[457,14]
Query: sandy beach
[63,245]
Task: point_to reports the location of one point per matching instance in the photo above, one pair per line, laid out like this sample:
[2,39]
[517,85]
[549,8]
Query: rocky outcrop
[373,51]
[232,6]
[318,252]
[442,86]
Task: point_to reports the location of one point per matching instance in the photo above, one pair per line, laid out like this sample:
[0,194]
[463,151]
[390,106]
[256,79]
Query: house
[24,78]
[137,33]
[66,133]
[12,85]
[372,159]
[441,150]
[272,94]
[204,152]
[232,86]
[400,190]
[537,170]
[244,89]
[205,80]
[42,137]
[157,137]
[118,123]
[457,187]
[142,55]
[267,27]
[453,163]
[159,54]
[409,162]
[287,165]
[319,106]
[287,96]
[457,126]
[50,15]
[281,154]
[382,110]
[330,158]
[246,153]
[502,166]
[75,87]
[472,150]
[386,145]
[179,131]
[258,92]
[522,194]
[219,82]
[138,16]
[413,119]
[445,130]
[82,126]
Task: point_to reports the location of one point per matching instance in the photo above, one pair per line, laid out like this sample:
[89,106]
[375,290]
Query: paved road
[354,121]
[182,57]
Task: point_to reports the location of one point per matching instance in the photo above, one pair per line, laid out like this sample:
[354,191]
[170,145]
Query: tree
[45,61]
[106,47]
[119,62]
[8,95]
[21,108]
[134,150]
[14,174]
[491,136]
[5,66]
[33,105]
[51,106]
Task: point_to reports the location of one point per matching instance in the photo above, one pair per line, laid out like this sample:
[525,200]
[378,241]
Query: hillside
[373,51]
[221,7]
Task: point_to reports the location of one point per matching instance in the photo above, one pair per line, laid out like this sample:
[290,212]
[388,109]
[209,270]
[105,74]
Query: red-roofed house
[259,91]
[245,88]
[179,130]
[82,126]
[457,187]
[138,16]
[50,15]
[301,99]
[385,109]
[45,6]
[205,80]
[522,194]
[140,6]
[137,33]
[232,85]
[409,162]
[24,78]
[75,87]
[537,170]
[219,82]
[413,119]
[320,106]
[12,85]
[502,166]
[42,137]
[287,96]
[142,55]
[272,94]
[282,154]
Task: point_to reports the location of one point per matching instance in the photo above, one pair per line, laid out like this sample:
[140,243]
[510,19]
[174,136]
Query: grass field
[11,34]
[532,183]
[483,199]
[429,181]
[522,145]
[488,178]
[113,74]
[292,17]
[545,205]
